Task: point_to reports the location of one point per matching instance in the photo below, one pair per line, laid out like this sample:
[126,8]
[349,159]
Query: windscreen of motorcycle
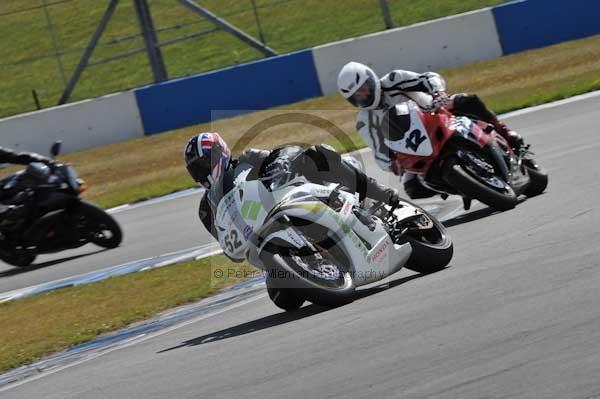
[415,140]
[71,176]
[37,171]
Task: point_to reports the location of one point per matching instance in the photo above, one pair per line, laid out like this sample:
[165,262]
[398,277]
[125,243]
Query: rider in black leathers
[22,158]
[317,163]
[8,212]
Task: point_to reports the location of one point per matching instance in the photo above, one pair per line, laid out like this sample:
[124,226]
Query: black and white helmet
[360,85]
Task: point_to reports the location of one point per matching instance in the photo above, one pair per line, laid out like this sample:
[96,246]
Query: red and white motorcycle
[457,155]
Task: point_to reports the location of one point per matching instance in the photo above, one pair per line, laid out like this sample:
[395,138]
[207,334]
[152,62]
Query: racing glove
[440,100]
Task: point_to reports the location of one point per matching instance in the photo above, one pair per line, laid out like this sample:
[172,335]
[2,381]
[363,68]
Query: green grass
[287,25]
[43,324]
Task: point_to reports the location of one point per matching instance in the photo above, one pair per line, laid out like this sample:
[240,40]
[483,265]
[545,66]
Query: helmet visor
[200,169]
[365,94]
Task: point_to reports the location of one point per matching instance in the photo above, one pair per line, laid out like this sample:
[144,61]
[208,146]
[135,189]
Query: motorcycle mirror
[55,149]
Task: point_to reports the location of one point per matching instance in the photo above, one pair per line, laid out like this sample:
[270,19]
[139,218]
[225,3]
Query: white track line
[559,103]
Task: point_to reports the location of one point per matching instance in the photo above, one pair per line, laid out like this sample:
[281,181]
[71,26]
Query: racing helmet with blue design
[207,156]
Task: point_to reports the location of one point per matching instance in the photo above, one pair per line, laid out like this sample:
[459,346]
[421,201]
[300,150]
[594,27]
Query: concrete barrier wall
[81,125]
[253,86]
[427,46]
[524,25]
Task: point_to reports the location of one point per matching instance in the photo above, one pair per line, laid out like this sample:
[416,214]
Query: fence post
[54,44]
[260,32]
[88,51]
[150,40]
[387,17]
[36,99]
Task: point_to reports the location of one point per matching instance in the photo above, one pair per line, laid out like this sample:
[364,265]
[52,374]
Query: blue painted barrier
[257,85]
[528,24]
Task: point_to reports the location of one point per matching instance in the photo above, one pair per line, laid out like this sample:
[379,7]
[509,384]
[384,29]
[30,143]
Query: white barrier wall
[428,46]
[80,125]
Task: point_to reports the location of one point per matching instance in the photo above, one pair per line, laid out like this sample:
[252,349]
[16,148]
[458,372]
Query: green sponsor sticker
[250,210]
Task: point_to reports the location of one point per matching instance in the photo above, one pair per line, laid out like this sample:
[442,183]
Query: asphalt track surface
[515,315]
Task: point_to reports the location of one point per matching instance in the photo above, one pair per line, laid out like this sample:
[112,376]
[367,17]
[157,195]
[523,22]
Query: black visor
[365,95]
[200,169]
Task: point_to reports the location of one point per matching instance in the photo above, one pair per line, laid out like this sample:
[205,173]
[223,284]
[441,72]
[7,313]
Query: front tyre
[100,228]
[19,259]
[466,183]
[538,179]
[288,299]
[288,272]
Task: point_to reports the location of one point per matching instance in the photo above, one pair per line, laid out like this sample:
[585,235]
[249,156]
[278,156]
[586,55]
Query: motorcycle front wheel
[285,298]
[295,278]
[538,179]
[100,228]
[492,191]
[17,259]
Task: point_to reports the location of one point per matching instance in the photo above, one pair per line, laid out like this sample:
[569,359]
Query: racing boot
[514,139]
[367,187]
[466,203]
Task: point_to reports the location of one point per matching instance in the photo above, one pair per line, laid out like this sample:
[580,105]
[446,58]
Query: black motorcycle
[54,217]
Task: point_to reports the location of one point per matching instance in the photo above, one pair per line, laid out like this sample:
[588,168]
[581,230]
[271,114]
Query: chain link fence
[42,41]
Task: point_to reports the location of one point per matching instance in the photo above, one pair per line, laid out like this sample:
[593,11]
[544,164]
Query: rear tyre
[432,249]
[538,179]
[287,299]
[103,230]
[466,184]
[426,259]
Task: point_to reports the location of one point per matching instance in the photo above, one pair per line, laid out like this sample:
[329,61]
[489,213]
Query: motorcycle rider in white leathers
[374,97]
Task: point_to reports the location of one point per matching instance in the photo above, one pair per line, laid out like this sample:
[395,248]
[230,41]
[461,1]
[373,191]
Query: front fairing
[241,213]
[253,214]
[425,136]
[369,252]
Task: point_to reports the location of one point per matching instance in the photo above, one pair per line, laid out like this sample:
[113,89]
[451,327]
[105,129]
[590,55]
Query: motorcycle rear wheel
[432,249]
[466,184]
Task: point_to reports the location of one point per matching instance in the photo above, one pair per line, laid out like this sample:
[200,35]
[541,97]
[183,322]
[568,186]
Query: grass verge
[37,326]
[152,166]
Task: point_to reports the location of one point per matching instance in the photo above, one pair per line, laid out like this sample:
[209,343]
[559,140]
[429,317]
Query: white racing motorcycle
[319,242]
